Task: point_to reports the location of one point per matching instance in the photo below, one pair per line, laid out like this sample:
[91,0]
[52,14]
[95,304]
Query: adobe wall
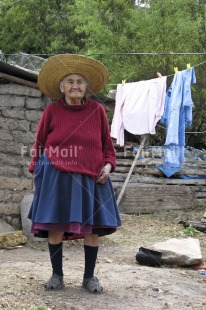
[20,110]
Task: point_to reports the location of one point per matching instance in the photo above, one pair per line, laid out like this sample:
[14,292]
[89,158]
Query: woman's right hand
[104,174]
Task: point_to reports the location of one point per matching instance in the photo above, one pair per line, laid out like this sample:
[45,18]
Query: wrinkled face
[73,86]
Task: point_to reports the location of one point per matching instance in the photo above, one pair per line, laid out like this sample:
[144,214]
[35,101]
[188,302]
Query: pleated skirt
[72,203]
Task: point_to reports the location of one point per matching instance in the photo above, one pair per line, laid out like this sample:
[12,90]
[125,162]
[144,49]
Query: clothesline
[114,54]
[148,53]
[201,63]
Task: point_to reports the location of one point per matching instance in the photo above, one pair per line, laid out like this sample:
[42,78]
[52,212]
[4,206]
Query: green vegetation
[190,231]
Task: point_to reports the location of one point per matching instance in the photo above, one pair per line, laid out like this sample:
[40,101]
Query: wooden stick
[131,169]
[18,80]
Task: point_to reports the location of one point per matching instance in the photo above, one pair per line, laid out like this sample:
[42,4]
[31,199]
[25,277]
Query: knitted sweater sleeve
[40,139]
[107,144]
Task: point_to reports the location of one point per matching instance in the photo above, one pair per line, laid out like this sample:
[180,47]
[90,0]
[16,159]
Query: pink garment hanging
[139,106]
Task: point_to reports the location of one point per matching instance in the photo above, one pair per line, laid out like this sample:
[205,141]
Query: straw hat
[56,67]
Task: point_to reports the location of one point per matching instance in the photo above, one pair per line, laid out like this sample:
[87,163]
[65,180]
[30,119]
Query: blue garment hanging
[177,115]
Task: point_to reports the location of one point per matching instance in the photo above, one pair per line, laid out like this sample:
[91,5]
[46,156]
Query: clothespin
[175,69]
[159,74]
[188,66]
[123,82]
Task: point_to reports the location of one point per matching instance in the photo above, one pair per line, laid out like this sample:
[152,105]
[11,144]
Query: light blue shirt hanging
[177,115]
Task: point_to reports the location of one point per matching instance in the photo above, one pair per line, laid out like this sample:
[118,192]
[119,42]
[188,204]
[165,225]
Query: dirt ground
[127,285]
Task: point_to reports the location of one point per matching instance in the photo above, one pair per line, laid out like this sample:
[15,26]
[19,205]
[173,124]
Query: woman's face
[73,86]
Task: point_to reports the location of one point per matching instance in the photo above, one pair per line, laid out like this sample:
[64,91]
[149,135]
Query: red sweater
[75,138]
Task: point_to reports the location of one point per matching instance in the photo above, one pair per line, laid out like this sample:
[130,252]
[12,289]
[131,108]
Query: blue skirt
[71,202]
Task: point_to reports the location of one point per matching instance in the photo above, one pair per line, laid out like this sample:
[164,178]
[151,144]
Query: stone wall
[20,110]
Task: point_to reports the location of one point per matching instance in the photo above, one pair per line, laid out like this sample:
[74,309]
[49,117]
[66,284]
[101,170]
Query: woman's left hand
[104,174]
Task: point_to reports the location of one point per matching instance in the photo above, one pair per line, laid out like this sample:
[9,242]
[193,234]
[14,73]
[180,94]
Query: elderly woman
[73,156]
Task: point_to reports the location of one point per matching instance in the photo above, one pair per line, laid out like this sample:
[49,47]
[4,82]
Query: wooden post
[17,80]
[131,169]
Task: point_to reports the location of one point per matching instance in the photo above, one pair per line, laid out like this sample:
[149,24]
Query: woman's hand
[104,174]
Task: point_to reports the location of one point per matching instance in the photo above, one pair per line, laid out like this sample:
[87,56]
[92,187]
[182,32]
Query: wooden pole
[17,80]
[131,169]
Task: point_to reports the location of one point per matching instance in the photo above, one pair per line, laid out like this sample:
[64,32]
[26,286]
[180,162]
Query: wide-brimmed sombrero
[56,67]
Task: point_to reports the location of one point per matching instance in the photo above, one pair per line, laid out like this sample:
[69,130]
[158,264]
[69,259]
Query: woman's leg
[91,246]
[91,240]
[55,250]
[55,237]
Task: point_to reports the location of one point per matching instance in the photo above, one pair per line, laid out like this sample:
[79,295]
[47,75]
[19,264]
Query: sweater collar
[74,106]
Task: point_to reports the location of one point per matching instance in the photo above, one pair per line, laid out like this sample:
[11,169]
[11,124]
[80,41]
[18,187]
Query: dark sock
[90,260]
[55,251]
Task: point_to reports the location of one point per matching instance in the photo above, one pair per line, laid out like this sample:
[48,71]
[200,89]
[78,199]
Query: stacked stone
[20,110]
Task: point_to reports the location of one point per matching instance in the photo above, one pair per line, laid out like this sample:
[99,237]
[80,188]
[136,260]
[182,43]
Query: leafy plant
[189,231]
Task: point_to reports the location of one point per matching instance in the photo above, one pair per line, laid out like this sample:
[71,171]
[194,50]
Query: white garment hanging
[139,106]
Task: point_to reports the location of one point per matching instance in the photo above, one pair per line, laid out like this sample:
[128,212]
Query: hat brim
[59,66]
